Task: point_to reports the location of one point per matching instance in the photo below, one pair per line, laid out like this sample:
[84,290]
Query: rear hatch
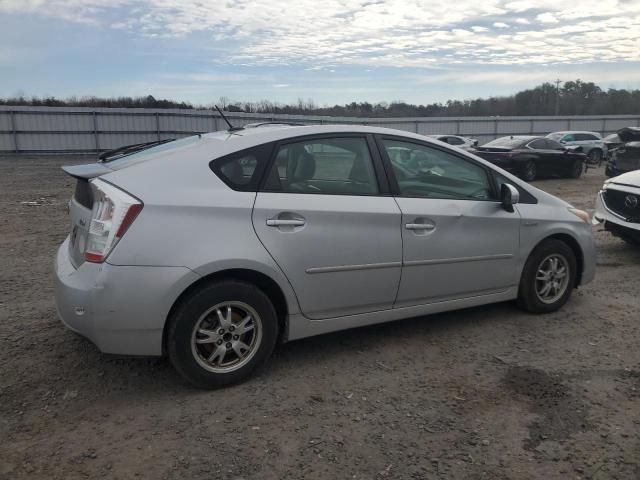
[80,207]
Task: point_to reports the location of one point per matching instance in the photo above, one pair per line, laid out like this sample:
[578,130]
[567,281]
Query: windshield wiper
[111,155]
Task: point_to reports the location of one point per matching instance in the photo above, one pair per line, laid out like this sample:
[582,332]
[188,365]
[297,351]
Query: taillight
[114,211]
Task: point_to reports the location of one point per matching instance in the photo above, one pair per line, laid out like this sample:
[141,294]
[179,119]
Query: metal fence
[81,130]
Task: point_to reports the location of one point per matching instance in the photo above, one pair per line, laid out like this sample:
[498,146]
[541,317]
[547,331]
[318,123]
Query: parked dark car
[529,156]
[626,157]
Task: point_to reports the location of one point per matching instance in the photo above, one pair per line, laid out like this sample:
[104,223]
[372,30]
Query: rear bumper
[121,309]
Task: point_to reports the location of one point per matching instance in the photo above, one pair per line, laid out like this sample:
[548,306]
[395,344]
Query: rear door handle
[419,226]
[276,222]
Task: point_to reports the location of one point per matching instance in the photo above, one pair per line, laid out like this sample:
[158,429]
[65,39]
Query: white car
[464,143]
[618,207]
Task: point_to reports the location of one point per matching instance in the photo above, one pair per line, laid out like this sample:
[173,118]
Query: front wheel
[548,277]
[221,333]
[595,157]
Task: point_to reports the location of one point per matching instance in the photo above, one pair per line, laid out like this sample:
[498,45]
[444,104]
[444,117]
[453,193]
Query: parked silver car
[213,248]
[591,143]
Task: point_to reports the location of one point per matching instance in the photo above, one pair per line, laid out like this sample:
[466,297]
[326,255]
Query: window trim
[393,181]
[382,181]
[263,154]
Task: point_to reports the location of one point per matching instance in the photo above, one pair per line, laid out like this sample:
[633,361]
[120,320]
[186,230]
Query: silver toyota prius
[213,248]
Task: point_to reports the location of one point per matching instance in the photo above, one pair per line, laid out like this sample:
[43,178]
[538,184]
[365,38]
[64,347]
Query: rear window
[507,142]
[143,155]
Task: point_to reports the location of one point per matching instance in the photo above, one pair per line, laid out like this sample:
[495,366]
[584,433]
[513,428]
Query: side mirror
[475,143]
[509,196]
[563,141]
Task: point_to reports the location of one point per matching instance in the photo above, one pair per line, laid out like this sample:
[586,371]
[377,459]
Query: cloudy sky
[332,51]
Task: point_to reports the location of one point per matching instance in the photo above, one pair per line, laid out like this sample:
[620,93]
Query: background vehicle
[591,142]
[612,142]
[618,207]
[465,143]
[214,247]
[626,157]
[529,156]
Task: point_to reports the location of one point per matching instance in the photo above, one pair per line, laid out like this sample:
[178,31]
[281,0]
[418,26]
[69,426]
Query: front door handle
[419,226]
[277,222]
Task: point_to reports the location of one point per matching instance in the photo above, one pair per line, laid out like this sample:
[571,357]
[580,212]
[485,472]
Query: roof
[270,133]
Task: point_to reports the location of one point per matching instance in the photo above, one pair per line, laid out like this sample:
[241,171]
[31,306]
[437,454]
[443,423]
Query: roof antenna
[231,127]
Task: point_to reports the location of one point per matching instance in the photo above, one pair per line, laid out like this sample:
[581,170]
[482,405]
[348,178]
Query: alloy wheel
[226,337]
[552,278]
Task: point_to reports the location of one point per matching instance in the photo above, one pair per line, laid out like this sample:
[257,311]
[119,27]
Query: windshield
[506,142]
[143,155]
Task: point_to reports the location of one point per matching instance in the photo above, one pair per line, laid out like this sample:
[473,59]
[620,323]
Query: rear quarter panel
[192,219]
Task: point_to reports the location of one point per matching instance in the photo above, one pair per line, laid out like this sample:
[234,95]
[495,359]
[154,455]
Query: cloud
[393,33]
[547,18]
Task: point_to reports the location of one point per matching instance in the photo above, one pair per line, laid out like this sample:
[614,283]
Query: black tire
[529,171]
[186,354]
[576,169]
[631,240]
[595,157]
[528,298]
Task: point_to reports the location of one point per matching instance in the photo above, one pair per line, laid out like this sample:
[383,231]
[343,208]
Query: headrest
[306,167]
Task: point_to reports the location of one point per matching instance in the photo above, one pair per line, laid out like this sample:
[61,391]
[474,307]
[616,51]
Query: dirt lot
[482,393]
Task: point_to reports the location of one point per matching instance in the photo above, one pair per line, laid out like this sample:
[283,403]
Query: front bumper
[121,309]
[612,221]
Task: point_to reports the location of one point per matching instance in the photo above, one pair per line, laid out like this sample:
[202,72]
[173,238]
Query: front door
[323,218]
[458,241]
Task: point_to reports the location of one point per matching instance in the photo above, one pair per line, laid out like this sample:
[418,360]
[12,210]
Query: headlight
[581,214]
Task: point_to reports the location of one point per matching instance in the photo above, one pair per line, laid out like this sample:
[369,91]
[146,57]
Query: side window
[242,170]
[569,137]
[455,141]
[553,145]
[525,197]
[333,166]
[539,144]
[433,173]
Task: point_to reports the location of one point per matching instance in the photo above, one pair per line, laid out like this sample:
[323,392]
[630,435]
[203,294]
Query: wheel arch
[573,244]
[264,282]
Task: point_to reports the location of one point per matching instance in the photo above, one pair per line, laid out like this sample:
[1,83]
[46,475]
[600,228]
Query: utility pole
[557,97]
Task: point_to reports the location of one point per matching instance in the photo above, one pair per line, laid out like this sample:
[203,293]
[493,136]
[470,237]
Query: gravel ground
[487,392]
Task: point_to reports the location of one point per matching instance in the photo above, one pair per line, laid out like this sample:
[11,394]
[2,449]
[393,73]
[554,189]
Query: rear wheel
[221,333]
[528,171]
[576,169]
[548,277]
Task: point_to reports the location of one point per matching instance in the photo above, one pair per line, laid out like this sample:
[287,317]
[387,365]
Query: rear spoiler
[86,171]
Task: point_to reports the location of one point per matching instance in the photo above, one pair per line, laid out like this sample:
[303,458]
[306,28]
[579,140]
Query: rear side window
[330,166]
[539,144]
[586,136]
[242,170]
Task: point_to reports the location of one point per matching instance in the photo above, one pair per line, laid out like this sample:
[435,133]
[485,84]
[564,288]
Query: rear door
[458,241]
[326,217]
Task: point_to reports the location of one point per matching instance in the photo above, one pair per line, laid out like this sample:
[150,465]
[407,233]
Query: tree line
[569,98]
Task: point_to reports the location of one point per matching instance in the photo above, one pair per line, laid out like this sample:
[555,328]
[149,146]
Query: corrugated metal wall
[65,129]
